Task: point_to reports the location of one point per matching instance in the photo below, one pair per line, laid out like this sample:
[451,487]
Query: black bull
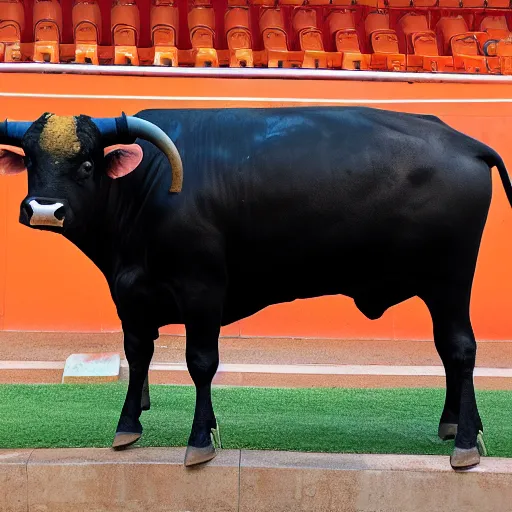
[278,204]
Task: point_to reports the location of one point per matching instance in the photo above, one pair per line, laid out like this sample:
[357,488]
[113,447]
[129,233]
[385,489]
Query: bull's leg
[455,339]
[202,356]
[139,351]
[145,402]
[450,415]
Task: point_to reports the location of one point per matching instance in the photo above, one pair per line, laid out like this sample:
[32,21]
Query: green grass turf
[323,420]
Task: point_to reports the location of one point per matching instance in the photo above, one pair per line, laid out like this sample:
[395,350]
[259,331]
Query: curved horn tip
[175,189]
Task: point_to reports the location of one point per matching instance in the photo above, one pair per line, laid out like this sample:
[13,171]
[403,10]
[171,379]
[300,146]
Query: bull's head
[65,158]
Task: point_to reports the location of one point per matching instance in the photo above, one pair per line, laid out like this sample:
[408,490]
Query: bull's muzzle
[42,212]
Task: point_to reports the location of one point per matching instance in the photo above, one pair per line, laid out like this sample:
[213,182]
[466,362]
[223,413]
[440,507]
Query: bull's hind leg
[139,351]
[456,344]
[450,415]
[449,421]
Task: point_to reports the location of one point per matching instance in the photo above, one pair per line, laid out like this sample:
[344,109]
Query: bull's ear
[11,160]
[122,159]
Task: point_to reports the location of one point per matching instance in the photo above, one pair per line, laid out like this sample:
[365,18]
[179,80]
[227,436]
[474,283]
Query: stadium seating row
[355,37]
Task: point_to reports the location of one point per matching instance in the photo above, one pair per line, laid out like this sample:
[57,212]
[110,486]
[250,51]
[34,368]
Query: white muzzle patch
[44,214]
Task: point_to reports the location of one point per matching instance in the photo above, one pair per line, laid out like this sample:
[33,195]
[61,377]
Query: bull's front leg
[145,402]
[139,348]
[202,354]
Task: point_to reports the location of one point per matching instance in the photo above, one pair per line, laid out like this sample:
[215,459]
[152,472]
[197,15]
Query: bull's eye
[85,170]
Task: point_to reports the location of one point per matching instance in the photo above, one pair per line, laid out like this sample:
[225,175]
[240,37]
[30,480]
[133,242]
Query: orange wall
[47,284]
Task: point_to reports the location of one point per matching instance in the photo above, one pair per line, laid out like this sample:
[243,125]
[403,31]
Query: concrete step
[141,479]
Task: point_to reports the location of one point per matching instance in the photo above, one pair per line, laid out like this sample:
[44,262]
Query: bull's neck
[125,213]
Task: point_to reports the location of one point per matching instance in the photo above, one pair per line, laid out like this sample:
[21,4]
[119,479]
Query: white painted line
[32,365]
[290,369]
[253,99]
[313,369]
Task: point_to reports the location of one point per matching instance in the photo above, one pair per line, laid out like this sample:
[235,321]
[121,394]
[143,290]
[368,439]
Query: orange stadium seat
[275,38]
[201,24]
[495,26]
[342,30]
[310,38]
[125,26]
[451,4]
[399,3]
[499,44]
[498,4]
[420,39]
[383,42]
[86,18]
[455,36]
[47,25]
[238,35]
[164,23]
[12,24]
[473,3]
[421,45]
[382,38]
[465,46]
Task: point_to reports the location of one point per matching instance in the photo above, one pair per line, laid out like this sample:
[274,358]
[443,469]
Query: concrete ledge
[154,479]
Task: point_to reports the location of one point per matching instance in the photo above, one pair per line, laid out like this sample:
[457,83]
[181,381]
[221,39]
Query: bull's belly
[374,288]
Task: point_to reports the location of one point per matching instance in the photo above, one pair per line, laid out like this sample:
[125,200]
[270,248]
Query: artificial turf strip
[320,420]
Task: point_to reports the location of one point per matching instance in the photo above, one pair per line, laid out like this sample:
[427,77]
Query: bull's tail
[494,160]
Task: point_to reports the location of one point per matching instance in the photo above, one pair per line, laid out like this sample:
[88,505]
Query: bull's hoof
[465,458]
[480,444]
[447,431]
[194,456]
[145,405]
[124,439]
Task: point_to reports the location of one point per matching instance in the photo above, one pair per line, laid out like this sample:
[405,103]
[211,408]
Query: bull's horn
[12,132]
[125,129]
